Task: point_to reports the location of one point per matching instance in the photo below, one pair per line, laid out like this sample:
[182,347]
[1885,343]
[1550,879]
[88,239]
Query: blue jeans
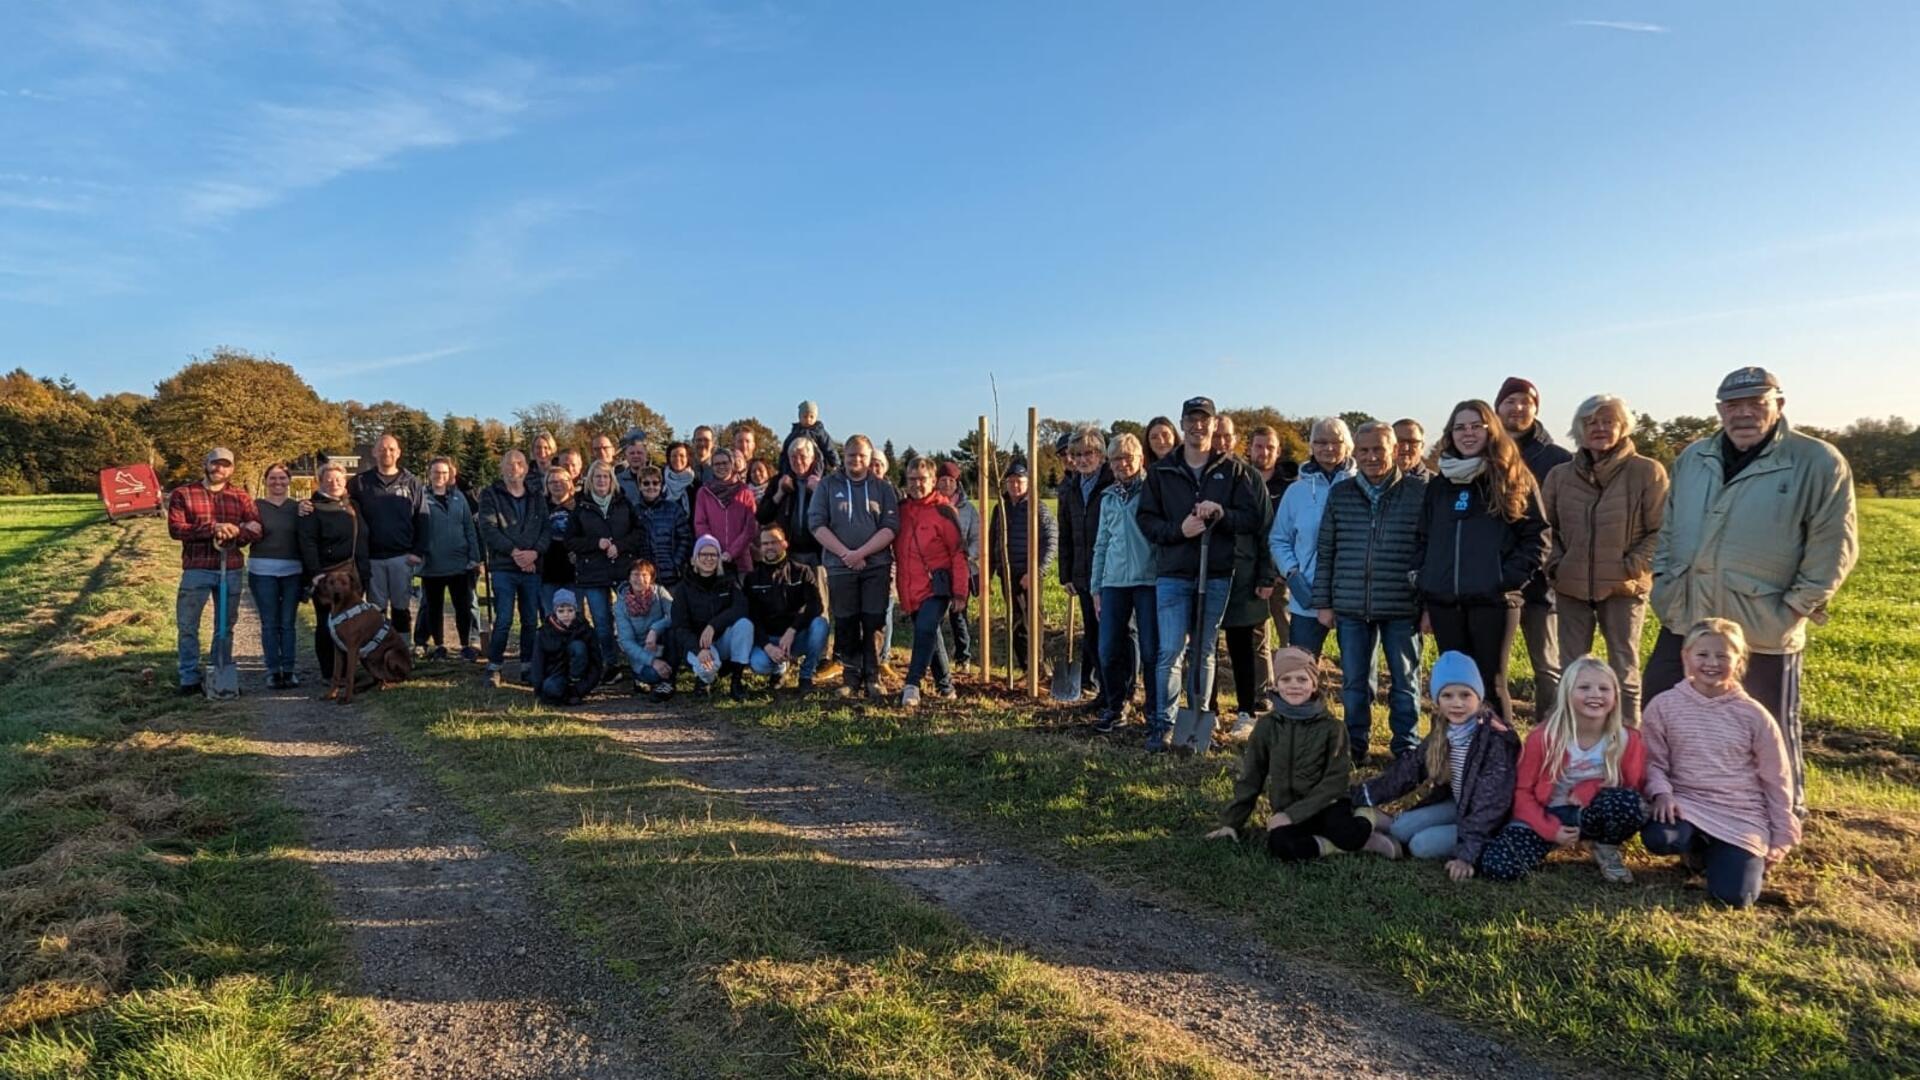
[1305,632]
[1173,600]
[599,601]
[733,647]
[1429,832]
[1357,639]
[1119,609]
[513,588]
[809,645]
[197,590]
[1733,873]
[928,649]
[278,601]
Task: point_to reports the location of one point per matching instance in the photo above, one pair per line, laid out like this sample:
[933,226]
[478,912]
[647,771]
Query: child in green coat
[1298,754]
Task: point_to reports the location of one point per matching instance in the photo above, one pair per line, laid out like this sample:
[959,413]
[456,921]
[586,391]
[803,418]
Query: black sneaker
[663,692]
[290,680]
[439,653]
[805,685]
[188,689]
[1105,723]
[702,688]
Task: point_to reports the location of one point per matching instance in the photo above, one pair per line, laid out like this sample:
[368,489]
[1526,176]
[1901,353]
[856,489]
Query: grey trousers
[1538,626]
[390,584]
[1619,620]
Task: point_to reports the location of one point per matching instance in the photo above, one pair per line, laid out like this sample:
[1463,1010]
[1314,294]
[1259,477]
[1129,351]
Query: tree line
[54,437]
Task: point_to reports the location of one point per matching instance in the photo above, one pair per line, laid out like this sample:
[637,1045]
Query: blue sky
[1110,206]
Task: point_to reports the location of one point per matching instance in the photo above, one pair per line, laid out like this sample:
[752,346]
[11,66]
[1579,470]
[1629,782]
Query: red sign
[129,490]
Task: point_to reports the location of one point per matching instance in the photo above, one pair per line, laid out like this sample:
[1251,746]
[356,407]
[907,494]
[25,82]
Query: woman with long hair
[1482,534]
[273,575]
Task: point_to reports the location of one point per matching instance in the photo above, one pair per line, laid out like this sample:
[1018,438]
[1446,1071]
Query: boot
[735,689]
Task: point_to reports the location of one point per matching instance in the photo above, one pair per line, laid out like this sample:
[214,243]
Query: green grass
[1823,978]
[765,956]
[151,924]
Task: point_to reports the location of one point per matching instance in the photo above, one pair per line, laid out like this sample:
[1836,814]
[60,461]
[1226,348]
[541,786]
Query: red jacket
[734,524]
[929,540]
[1533,787]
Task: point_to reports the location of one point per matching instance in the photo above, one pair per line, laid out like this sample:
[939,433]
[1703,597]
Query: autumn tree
[55,438]
[616,416]
[257,407]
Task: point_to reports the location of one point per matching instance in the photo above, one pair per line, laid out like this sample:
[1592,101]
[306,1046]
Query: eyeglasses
[705,555]
[1463,429]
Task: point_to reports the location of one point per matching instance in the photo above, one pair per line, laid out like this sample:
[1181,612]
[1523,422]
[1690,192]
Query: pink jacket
[1723,760]
[732,523]
[1533,788]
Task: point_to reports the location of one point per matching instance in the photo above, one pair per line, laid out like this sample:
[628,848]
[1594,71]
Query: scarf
[1600,468]
[601,502]
[759,492]
[1734,461]
[724,490]
[1462,470]
[639,601]
[675,484]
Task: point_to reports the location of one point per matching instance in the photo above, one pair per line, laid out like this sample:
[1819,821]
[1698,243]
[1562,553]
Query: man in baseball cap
[1759,529]
[212,519]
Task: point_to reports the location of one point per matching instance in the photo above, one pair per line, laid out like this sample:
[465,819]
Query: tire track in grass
[1273,1016]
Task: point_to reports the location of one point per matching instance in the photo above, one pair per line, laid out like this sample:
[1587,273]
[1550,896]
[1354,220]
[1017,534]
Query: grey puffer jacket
[1367,548]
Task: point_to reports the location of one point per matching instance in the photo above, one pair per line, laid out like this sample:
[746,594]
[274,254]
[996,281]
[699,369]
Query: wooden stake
[1035,630]
[984,460]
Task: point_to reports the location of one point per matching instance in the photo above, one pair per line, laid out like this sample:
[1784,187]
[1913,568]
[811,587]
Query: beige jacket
[1767,550]
[1605,520]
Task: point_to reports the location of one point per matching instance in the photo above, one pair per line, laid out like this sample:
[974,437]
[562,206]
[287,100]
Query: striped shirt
[1725,764]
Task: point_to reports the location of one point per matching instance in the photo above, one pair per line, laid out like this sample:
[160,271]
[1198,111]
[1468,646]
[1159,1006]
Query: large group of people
[1186,554]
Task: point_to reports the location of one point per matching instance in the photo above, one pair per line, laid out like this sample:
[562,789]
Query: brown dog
[362,636]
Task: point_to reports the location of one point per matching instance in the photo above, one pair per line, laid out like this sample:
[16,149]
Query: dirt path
[458,953]
[1275,1016]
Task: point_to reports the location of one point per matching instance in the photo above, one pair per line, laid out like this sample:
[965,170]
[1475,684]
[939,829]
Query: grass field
[1822,978]
[150,925]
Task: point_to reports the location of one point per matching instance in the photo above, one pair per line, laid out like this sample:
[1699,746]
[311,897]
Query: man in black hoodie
[1191,493]
[1519,409]
[393,508]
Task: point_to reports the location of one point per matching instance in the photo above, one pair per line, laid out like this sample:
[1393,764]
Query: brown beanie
[1294,658]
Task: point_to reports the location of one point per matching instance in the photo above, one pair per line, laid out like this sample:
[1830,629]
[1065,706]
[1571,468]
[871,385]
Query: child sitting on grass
[566,654]
[1717,770]
[1466,765]
[1581,774]
[1298,753]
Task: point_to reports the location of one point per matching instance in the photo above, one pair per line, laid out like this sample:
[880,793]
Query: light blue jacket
[1122,558]
[1295,538]
[631,632]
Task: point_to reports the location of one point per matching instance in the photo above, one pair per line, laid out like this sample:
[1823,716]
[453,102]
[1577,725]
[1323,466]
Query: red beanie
[1514,385]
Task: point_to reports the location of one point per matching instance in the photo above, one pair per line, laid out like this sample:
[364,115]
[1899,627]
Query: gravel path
[457,952]
[1275,1016]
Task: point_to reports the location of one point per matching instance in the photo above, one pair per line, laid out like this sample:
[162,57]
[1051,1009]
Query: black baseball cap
[1198,405]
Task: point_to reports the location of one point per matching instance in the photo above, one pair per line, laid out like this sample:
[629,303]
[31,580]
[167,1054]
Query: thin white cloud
[360,367]
[1863,301]
[280,148]
[1621,25]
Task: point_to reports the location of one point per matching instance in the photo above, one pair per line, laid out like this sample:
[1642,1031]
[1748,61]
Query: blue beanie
[1455,669]
[564,598]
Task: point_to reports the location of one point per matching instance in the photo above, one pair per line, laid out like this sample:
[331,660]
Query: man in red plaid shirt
[211,519]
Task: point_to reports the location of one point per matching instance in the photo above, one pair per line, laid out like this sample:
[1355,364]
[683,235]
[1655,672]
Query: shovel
[1193,725]
[1066,675]
[486,607]
[224,680]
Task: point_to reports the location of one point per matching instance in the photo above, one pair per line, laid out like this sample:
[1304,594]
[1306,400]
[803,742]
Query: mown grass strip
[767,957]
[1826,979]
[150,923]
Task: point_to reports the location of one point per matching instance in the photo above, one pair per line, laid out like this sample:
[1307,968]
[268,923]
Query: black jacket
[1538,451]
[507,525]
[589,526]
[556,562]
[668,537]
[1079,522]
[550,654]
[1366,559]
[1010,537]
[788,509]
[1470,555]
[700,602]
[1170,496]
[331,535]
[781,596]
[393,510]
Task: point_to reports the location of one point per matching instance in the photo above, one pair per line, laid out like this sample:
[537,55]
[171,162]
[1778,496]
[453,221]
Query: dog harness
[372,643]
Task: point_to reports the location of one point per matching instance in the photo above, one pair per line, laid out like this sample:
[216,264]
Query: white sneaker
[910,697]
[1612,866]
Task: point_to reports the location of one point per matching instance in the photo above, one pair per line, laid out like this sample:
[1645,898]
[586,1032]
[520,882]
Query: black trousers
[433,595]
[858,600]
[1485,633]
[1016,600]
[1337,823]
[322,639]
